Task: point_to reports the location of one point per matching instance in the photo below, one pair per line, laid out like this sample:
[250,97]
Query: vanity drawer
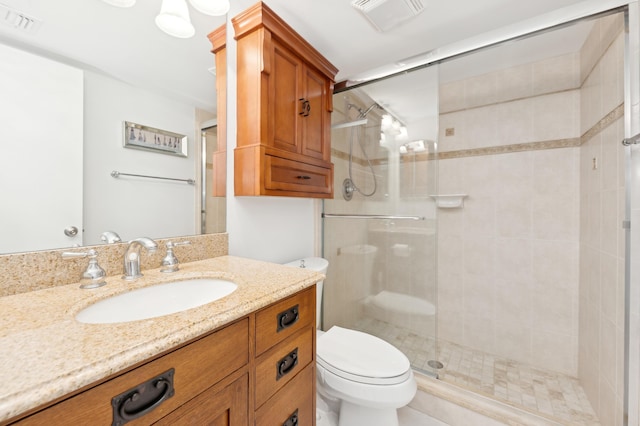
[287,175]
[281,320]
[276,368]
[297,398]
[197,366]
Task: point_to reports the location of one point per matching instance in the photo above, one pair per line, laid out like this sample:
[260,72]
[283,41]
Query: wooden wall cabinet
[258,370]
[284,107]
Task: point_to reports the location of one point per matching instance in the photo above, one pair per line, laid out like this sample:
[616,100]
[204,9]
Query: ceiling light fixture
[174,18]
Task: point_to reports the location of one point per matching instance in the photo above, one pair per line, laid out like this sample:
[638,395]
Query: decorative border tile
[597,128]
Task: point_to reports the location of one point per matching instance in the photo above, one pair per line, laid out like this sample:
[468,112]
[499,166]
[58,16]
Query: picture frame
[137,136]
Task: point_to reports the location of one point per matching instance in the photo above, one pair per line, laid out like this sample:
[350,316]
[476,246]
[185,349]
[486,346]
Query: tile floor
[550,394]
[407,416]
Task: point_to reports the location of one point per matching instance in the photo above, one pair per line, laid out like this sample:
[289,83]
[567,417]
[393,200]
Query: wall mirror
[68,86]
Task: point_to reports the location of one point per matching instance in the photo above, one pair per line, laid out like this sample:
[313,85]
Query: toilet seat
[361,357]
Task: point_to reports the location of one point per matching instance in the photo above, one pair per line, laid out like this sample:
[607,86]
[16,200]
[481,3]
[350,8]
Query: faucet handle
[93,276]
[110,237]
[170,262]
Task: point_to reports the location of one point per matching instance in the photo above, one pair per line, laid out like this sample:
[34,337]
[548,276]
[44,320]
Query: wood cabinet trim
[260,16]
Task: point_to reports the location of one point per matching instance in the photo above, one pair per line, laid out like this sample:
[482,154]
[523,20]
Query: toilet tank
[318,264]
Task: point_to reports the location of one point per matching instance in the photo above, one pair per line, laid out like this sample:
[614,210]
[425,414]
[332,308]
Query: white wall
[135,207]
[41,159]
[275,229]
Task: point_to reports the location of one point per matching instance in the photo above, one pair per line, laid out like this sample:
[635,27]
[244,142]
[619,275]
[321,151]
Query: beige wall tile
[514,340]
[556,116]
[555,349]
[481,90]
[452,97]
[515,83]
[556,74]
[516,122]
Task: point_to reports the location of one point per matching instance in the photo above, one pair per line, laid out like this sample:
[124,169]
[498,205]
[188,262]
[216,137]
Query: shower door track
[371,216]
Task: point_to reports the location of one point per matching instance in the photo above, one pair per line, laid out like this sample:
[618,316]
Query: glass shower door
[380,229]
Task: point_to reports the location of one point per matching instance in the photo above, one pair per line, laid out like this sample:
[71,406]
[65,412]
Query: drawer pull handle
[292,420]
[142,399]
[287,318]
[305,177]
[287,364]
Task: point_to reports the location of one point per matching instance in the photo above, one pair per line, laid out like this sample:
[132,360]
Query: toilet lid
[361,357]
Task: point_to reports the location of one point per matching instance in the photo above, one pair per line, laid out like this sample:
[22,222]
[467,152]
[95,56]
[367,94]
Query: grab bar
[117,174]
[371,216]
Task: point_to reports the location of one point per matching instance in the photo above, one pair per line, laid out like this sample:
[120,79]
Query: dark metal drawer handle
[305,177]
[287,318]
[292,420]
[287,364]
[142,399]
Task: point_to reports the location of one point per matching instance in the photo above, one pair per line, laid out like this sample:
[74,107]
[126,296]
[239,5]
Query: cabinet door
[214,407]
[316,122]
[285,102]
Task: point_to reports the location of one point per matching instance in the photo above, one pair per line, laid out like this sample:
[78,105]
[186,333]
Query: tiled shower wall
[601,339]
[532,267]
[508,260]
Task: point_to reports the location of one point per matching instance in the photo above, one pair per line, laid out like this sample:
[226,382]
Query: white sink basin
[156,301]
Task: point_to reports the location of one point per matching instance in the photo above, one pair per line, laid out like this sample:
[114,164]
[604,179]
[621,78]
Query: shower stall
[476,222]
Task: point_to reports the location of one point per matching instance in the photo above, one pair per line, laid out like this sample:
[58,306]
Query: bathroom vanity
[248,358]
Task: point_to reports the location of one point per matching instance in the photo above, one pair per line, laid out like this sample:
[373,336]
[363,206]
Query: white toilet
[369,377]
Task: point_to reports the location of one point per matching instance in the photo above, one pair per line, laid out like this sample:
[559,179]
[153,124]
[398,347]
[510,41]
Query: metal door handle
[71,231]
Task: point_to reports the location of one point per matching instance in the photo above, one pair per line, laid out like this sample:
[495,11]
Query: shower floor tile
[548,393]
[552,394]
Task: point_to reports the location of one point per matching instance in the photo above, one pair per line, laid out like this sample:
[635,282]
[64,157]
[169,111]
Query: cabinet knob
[306,107]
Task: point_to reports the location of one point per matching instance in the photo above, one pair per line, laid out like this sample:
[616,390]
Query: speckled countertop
[45,353]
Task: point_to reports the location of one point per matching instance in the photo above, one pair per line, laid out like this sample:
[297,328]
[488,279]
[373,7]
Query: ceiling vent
[387,14]
[19,20]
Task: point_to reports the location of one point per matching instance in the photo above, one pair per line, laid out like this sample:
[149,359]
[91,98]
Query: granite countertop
[45,353]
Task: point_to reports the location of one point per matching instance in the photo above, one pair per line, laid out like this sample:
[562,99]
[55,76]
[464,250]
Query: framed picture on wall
[137,136]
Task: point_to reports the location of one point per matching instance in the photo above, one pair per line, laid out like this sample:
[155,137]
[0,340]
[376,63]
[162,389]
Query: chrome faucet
[170,262]
[132,257]
[93,276]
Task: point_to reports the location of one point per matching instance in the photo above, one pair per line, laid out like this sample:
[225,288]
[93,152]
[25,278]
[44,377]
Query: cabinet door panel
[316,123]
[285,94]
[214,407]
